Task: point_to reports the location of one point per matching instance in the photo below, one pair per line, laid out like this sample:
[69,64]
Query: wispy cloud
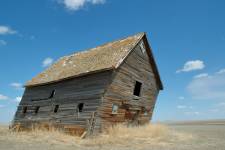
[202,75]
[3,43]
[4,30]
[218,108]
[195,113]
[47,62]
[214,110]
[3,97]
[181,107]
[184,107]
[74,5]
[222,104]
[211,87]
[222,71]
[181,98]
[191,66]
[18,99]
[16,85]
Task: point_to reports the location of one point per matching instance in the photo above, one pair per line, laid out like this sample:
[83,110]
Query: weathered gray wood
[68,94]
[135,68]
[98,92]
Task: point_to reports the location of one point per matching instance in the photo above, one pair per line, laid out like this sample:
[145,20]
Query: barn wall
[69,93]
[136,67]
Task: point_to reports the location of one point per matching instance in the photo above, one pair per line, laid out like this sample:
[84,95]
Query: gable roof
[105,57]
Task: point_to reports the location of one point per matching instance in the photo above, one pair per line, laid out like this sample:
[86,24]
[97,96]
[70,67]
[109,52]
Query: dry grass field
[156,137]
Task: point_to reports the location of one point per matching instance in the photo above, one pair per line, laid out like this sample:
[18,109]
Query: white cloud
[202,75]
[16,85]
[214,110]
[190,107]
[181,107]
[181,98]
[3,97]
[192,113]
[222,71]
[192,65]
[47,62]
[222,104]
[18,99]
[184,107]
[3,43]
[6,30]
[211,87]
[78,4]
[218,108]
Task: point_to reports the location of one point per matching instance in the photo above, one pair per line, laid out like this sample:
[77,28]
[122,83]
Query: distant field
[203,122]
[192,136]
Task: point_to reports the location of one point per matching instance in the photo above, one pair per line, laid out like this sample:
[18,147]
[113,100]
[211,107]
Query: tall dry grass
[119,135]
[151,134]
[38,135]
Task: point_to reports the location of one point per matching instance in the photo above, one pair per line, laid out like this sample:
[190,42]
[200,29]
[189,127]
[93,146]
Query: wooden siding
[68,94]
[99,92]
[132,109]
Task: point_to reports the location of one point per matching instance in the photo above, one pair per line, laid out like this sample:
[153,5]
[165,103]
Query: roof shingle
[107,56]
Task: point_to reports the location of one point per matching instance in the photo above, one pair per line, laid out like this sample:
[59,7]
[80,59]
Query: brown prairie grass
[119,135]
[38,135]
[151,134]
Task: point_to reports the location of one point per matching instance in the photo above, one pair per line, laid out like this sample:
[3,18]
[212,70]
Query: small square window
[24,110]
[52,94]
[114,109]
[36,109]
[80,107]
[56,108]
[137,88]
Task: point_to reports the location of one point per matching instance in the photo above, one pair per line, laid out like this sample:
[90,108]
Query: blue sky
[187,38]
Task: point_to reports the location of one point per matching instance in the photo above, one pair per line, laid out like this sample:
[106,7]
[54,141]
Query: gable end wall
[136,67]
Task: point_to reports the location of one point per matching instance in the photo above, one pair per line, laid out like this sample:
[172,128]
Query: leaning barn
[117,82]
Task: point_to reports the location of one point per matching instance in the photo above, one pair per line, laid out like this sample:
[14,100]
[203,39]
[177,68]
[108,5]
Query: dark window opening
[24,109]
[56,108]
[80,107]
[52,94]
[137,88]
[36,109]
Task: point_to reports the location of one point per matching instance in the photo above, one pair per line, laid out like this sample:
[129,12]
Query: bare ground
[156,137]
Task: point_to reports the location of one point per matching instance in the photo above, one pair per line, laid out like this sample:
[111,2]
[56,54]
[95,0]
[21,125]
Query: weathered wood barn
[117,82]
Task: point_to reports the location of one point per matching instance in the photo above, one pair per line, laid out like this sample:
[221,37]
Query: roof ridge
[106,43]
[141,34]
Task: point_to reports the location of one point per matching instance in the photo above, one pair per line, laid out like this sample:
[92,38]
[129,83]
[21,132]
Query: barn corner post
[86,92]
